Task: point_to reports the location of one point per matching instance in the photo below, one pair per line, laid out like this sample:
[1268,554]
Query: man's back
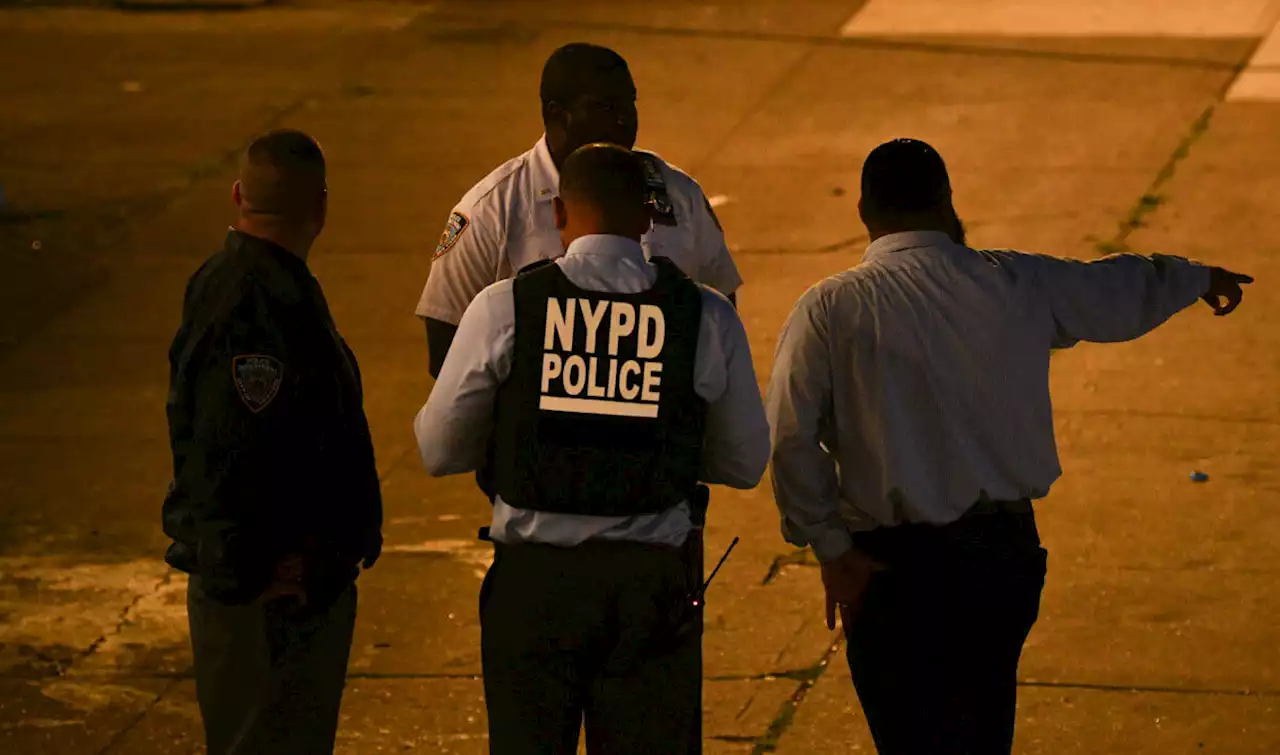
[735,444]
[267,427]
[939,358]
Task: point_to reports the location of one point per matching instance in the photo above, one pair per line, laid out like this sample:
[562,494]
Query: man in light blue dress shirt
[909,404]
[594,393]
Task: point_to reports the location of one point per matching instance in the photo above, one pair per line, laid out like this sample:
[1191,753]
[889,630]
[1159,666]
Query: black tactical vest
[599,415]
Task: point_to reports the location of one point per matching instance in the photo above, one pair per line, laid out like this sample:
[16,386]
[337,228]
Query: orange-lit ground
[1160,628]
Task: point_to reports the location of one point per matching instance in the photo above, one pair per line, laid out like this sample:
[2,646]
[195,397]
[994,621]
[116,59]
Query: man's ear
[554,114]
[322,207]
[562,213]
[236,196]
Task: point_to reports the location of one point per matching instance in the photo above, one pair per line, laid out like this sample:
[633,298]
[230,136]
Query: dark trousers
[583,634]
[934,648]
[269,679]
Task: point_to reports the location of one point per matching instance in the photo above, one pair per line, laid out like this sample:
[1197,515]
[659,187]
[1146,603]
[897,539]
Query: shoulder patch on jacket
[453,230]
[257,378]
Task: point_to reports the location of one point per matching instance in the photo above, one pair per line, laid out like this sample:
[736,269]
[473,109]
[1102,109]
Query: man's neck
[287,239]
[557,159]
[880,233]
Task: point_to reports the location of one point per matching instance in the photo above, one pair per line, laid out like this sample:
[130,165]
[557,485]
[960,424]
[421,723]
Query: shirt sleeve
[454,426]
[256,441]
[467,258]
[1115,298]
[805,480]
[718,269]
[735,449]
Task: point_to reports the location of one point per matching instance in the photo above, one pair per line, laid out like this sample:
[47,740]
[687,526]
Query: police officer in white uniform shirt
[507,222]
[909,402]
[601,389]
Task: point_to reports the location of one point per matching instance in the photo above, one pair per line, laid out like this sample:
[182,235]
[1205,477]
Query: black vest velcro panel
[599,415]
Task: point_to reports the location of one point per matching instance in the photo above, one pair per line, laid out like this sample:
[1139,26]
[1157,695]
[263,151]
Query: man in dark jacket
[275,502]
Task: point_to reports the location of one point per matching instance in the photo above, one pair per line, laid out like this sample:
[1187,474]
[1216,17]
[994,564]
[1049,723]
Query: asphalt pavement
[1070,129]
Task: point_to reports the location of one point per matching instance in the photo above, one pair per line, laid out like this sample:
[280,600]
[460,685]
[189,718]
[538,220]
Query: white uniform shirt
[454,426]
[507,221]
[917,383]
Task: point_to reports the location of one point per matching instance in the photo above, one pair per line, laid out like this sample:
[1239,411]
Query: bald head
[282,175]
[602,190]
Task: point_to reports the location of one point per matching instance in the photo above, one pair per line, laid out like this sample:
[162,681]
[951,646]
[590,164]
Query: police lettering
[595,378]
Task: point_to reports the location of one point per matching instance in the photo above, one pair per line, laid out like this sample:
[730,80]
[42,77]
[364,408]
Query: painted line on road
[1052,18]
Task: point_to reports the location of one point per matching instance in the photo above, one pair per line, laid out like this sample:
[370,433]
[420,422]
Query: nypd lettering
[602,357]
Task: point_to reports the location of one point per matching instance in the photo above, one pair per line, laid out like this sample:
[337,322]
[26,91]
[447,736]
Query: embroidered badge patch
[454,229]
[257,379]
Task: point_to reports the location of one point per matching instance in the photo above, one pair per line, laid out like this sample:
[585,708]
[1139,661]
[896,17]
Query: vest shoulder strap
[669,273]
[534,266]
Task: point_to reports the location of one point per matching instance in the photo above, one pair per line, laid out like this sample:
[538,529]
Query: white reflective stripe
[596,406]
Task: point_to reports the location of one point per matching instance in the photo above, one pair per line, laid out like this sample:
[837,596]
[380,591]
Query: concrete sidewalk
[1159,623]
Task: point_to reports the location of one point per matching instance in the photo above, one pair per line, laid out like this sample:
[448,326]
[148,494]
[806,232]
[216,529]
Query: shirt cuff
[831,543]
[1204,276]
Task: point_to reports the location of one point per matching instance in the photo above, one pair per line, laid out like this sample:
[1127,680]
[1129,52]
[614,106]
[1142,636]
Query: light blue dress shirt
[917,383]
[453,427]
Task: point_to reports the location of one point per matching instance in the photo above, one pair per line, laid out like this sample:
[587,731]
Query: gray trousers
[268,679]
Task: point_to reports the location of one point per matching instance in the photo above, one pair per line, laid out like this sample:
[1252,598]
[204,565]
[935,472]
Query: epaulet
[658,198]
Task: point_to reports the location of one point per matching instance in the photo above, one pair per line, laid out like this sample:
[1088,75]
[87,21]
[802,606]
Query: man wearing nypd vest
[507,221]
[599,389]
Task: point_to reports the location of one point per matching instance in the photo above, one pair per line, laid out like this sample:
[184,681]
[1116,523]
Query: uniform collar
[603,245]
[237,239]
[546,177]
[901,242]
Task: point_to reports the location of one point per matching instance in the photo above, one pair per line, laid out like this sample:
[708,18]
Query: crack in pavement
[798,557]
[1152,199]
[119,736]
[800,630]
[768,742]
[120,625]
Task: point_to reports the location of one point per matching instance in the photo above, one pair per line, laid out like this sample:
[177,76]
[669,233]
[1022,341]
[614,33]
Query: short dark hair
[904,176]
[281,171]
[605,176]
[577,69]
